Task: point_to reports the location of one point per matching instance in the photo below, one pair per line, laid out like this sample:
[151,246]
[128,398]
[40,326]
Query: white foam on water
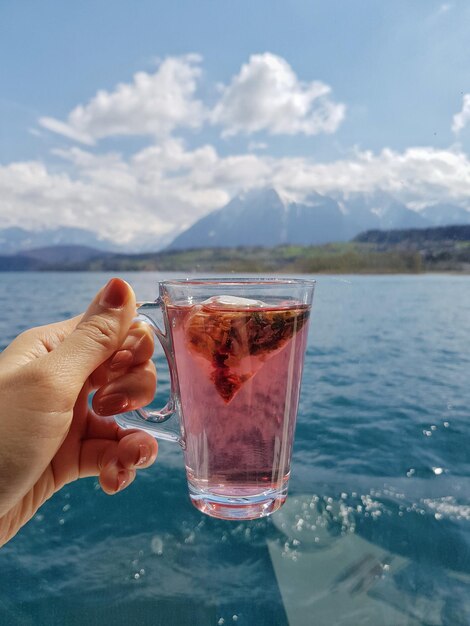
[231,301]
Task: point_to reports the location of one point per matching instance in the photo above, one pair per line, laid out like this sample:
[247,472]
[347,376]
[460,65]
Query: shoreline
[234,272]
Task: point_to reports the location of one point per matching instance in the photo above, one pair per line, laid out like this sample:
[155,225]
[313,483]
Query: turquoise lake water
[376,529]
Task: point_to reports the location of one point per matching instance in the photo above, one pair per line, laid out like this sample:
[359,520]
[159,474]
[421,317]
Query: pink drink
[239,373]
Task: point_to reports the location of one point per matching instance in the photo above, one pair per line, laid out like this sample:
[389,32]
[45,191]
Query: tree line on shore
[407,251]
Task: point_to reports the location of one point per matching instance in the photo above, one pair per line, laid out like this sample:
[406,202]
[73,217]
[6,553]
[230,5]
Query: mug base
[238,508]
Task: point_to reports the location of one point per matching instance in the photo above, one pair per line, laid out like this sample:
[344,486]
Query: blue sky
[334,96]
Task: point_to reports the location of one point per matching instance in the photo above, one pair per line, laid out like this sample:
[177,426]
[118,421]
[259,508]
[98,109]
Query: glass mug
[235,349]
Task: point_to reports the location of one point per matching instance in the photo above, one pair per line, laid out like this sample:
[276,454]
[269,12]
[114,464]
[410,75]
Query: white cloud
[267,95]
[67,130]
[420,175]
[461,119]
[152,104]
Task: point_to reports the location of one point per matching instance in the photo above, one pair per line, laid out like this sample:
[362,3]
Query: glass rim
[299,282]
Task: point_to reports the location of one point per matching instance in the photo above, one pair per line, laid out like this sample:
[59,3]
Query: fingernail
[143,455]
[112,403]
[122,358]
[115,294]
[122,480]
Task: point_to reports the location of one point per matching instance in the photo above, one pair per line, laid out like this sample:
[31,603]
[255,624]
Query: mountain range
[265,218]
[262,217]
[16,240]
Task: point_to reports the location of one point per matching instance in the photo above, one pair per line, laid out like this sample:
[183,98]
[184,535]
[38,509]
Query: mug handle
[150,419]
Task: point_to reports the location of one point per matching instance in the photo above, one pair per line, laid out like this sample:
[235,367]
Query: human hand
[48,434]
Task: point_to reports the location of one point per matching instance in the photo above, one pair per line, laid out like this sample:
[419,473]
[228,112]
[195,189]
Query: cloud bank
[158,191]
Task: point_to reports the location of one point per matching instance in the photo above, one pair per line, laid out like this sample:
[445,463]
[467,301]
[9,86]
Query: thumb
[100,332]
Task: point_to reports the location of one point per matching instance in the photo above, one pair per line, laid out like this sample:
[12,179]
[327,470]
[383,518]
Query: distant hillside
[64,255]
[18,264]
[380,252]
[443,248]
[329,258]
[15,240]
[415,236]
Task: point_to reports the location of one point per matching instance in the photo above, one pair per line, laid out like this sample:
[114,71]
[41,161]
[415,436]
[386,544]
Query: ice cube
[234,301]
